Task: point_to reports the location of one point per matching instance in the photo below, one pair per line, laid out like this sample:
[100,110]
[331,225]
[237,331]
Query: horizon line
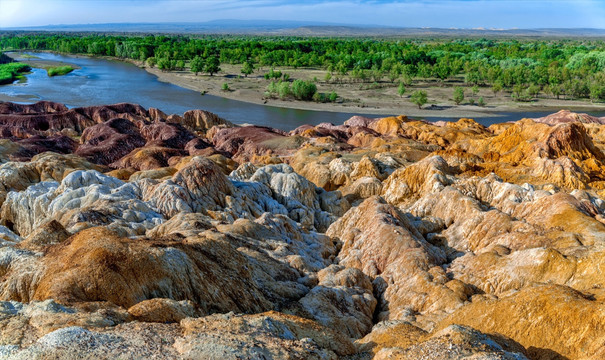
[301,23]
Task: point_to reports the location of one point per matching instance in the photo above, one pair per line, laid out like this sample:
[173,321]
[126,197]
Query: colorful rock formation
[128,231]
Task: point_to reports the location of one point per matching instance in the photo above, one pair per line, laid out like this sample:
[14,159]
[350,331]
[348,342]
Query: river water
[101,81]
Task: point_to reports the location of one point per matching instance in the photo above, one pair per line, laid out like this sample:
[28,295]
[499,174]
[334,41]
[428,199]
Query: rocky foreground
[127,233]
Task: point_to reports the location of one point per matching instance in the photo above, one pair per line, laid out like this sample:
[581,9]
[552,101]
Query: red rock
[35,145]
[41,107]
[198,146]
[360,121]
[110,141]
[566,116]
[166,135]
[246,141]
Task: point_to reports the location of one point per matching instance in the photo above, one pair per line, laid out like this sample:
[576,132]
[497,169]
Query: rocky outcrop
[406,269]
[200,120]
[249,143]
[109,141]
[561,310]
[566,116]
[102,331]
[172,236]
[107,134]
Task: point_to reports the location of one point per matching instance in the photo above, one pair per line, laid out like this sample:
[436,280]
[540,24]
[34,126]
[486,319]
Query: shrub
[226,87]
[283,90]
[271,89]
[319,97]
[333,96]
[533,90]
[303,90]
[273,74]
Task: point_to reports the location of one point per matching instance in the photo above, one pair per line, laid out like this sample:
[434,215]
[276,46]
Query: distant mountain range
[305,28]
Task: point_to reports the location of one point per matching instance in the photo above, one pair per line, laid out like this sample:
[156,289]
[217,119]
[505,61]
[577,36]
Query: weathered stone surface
[277,336]
[248,142]
[342,300]
[201,120]
[413,239]
[566,116]
[48,234]
[38,144]
[569,325]
[164,134]
[148,158]
[83,199]
[97,265]
[109,141]
[458,342]
[405,268]
[162,310]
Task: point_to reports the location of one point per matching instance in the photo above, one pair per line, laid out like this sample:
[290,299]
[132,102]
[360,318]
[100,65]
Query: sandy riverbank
[381,98]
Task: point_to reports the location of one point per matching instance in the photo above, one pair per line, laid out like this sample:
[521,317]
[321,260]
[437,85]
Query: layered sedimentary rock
[128,231]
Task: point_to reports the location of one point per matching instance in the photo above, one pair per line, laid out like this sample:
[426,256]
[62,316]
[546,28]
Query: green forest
[569,69]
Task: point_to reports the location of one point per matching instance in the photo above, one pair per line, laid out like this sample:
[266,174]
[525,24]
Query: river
[101,81]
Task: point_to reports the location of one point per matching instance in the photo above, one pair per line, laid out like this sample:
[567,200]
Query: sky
[498,14]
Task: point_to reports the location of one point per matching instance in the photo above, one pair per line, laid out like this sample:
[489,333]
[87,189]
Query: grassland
[59,70]
[11,72]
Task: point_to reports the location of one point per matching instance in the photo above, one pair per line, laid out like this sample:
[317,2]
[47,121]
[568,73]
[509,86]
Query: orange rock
[550,321]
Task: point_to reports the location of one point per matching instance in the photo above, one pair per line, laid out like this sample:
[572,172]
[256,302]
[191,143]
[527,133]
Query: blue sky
[500,14]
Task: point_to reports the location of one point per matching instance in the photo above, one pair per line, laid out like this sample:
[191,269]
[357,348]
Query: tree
[197,65]
[597,92]
[164,64]
[394,75]
[458,95]
[401,89]
[497,87]
[555,90]
[226,87]
[533,90]
[328,77]
[419,98]
[212,65]
[481,102]
[247,69]
[180,64]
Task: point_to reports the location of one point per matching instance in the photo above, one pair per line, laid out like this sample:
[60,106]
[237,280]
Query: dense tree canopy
[573,68]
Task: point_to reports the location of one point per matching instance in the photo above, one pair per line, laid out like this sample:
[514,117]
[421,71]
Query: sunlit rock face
[128,231]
